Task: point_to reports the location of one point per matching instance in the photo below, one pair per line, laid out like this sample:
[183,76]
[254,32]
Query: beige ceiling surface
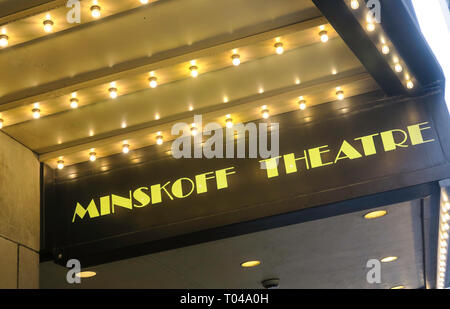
[164,38]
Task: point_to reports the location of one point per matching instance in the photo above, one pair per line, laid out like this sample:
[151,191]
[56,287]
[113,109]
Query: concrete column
[19,215]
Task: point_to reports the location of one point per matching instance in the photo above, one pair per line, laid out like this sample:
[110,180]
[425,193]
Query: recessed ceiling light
[398,287]
[375,214]
[389,259]
[86,274]
[250,263]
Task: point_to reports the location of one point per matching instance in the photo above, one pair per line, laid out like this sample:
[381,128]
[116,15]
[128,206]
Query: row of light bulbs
[265,114]
[443,241]
[370,26]
[48,22]
[153,80]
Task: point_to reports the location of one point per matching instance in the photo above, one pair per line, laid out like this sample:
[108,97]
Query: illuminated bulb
[36,113]
[144,1]
[445,217]
[398,67]
[370,26]
[126,148]
[113,92]
[445,227]
[410,84]
[323,36]
[229,123]
[444,235]
[194,71]
[265,113]
[92,156]
[95,11]
[60,164]
[340,95]
[73,102]
[48,25]
[385,49]
[194,130]
[446,207]
[235,59]
[153,82]
[279,48]
[354,4]
[3,40]
[1,123]
[159,140]
[302,104]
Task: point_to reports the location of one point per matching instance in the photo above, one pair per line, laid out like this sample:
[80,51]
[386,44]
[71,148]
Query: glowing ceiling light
[4,40]
[144,1]
[370,26]
[86,274]
[48,25]
[159,139]
[125,148]
[409,84]
[194,71]
[60,164]
[1,123]
[385,49]
[92,156]
[279,49]
[398,67]
[389,259]
[194,129]
[323,36]
[95,11]
[153,82]
[340,94]
[229,122]
[235,59]
[250,263]
[74,102]
[375,214]
[113,92]
[36,113]
[302,103]
[265,113]
[398,287]
[354,4]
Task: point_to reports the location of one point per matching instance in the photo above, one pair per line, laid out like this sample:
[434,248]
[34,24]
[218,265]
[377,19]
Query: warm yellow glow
[398,287]
[144,1]
[92,156]
[36,113]
[354,4]
[1,123]
[4,40]
[250,263]
[410,84]
[229,123]
[48,25]
[126,148]
[389,259]
[112,92]
[159,140]
[323,36]
[73,102]
[153,82]
[279,49]
[385,49]
[86,274]
[95,11]
[235,59]
[60,164]
[194,71]
[375,214]
[194,131]
[370,27]
[340,94]
[302,104]
[265,113]
[398,67]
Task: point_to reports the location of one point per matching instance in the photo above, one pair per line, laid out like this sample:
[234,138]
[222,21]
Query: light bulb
[3,40]
[92,156]
[153,82]
[398,67]
[323,36]
[354,4]
[48,25]
[194,131]
[340,95]
[1,123]
[159,140]
[36,113]
[385,49]
[229,123]
[194,71]
[265,113]
[370,27]
[95,11]
[113,92]
[144,1]
[126,148]
[73,102]
[302,104]
[410,84]
[60,164]
[279,48]
[235,59]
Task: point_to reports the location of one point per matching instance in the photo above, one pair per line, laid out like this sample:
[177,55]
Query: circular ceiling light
[248,264]
[389,259]
[86,274]
[375,214]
